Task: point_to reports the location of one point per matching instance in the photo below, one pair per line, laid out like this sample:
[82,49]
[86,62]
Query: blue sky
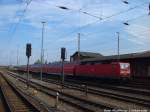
[62,26]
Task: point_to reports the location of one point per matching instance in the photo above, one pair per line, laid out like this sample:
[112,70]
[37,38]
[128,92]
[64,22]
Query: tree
[37,61]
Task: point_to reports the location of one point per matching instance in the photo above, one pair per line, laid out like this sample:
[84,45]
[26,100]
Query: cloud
[48,11]
[63,25]
[139,33]
[8,12]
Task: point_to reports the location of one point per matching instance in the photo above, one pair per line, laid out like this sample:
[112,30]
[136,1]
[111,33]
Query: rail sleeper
[13,99]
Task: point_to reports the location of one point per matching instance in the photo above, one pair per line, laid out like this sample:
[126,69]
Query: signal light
[28,50]
[63,52]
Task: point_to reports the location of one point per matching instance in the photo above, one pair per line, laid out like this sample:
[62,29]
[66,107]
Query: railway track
[86,105]
[17,100]
[142,80]
[112,94]
[98,82]
[124,88]
[129,94]
[107,92]
[139,85]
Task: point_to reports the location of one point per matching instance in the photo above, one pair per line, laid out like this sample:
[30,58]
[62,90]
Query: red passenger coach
[102,70]
[57,68]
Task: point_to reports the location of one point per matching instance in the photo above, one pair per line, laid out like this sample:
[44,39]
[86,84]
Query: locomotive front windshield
[124,65]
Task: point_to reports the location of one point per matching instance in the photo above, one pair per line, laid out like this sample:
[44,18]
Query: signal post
[28,54]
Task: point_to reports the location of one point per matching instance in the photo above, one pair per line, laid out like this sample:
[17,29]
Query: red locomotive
[102,70]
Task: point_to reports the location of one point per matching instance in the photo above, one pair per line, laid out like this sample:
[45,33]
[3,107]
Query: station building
[84,55]
[139,62]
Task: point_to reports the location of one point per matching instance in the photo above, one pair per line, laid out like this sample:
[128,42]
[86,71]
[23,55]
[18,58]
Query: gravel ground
[51,101]
[96,98]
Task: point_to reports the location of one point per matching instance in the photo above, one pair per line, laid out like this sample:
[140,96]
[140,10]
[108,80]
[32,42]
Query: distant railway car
[22,68]
[57,68]
[101,70]
[35,68]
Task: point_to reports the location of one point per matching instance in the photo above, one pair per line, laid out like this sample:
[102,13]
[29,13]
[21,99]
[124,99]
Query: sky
[96,20]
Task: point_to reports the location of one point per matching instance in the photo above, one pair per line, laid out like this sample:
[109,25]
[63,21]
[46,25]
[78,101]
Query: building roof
[88,54]
[145,54]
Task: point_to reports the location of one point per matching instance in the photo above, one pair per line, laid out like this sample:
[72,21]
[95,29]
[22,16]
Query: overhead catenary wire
[129,20]
[106,18]
[99,18]
[12,32]
[14,17]
[90,14]
[124,11]
[85,13]
[28,2]
[79,10]
[116,14]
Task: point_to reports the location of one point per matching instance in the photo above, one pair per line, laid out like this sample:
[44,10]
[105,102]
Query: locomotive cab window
[124,65]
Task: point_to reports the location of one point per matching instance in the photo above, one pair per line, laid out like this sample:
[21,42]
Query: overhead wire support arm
[125,1]
[84,12]
[129,20]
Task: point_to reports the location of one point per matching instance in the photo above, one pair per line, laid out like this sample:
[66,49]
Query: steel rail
[124,97]
[19,101]
[71,99]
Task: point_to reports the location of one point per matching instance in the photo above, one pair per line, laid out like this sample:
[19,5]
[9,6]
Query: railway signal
[63,52]
[28,54]
[28,50]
